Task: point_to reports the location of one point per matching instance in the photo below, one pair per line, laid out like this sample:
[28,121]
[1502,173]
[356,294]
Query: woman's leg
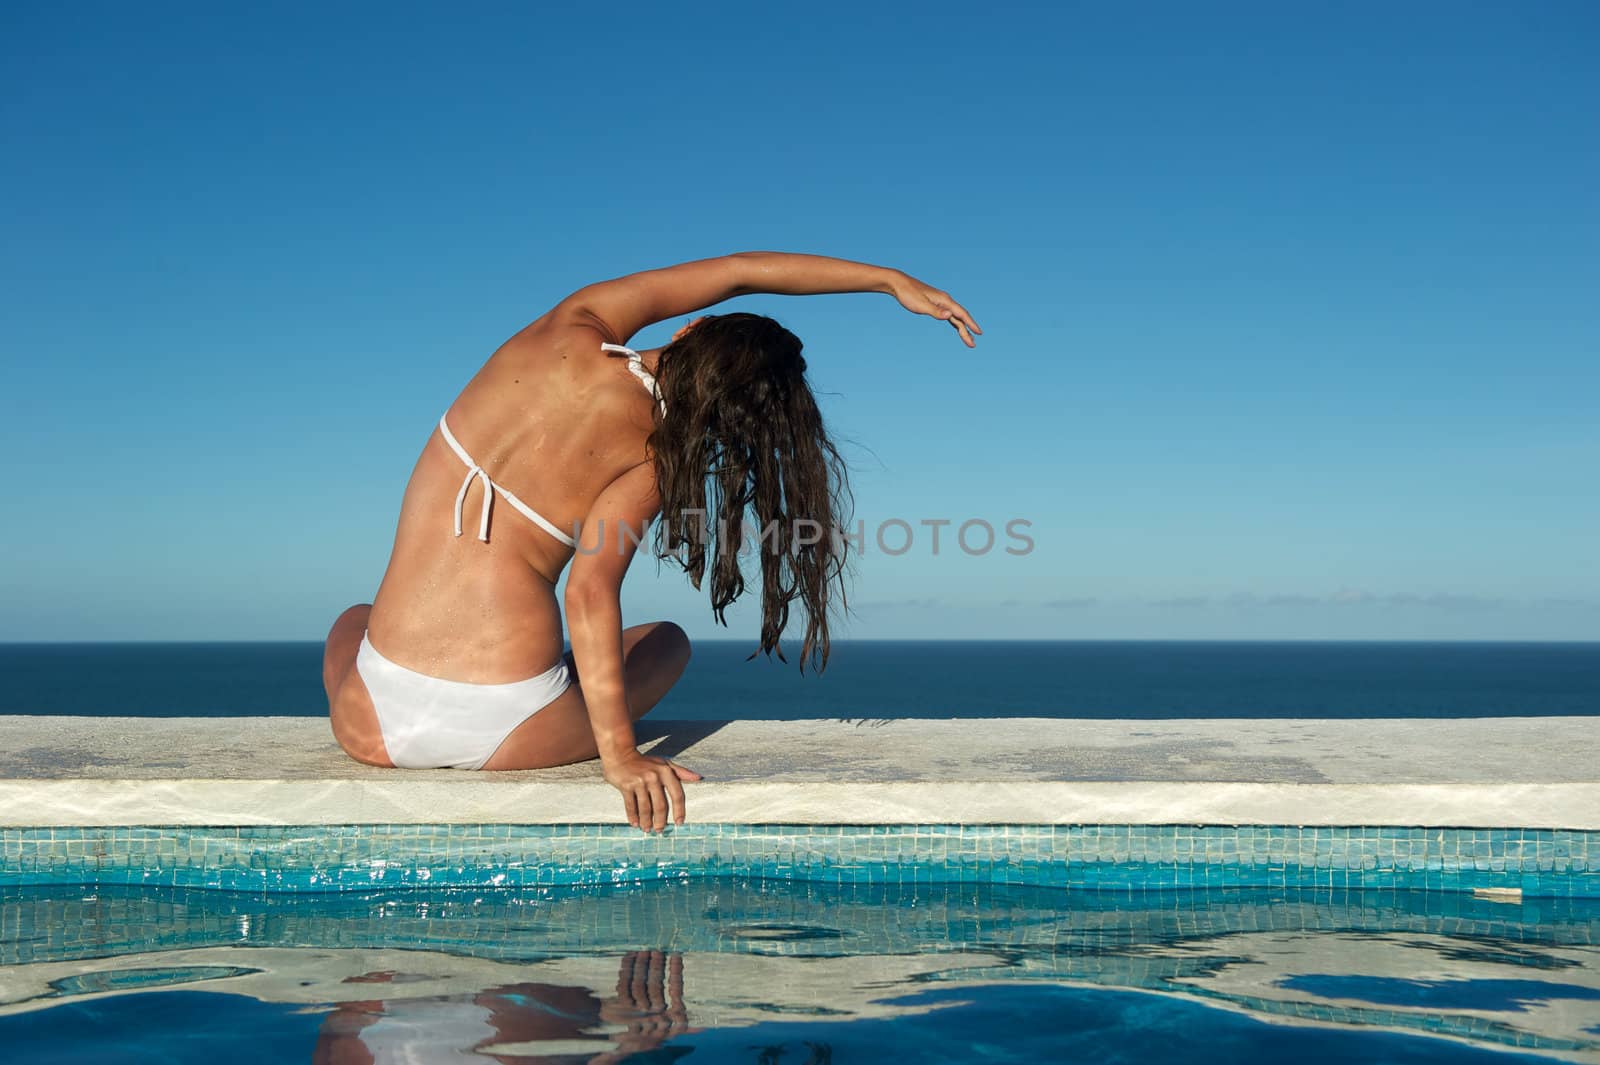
[653,658]
[355,722]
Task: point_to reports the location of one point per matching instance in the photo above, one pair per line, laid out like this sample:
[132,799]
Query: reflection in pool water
[752,971]
[1457,994]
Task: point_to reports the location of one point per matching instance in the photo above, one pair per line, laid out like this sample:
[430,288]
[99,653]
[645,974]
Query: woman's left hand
[652,788]
[921,298]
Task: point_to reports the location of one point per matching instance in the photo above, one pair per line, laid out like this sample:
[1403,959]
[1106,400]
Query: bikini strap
[474,471]
[636,367]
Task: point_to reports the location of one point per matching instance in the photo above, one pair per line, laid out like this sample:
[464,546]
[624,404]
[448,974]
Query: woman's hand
[651,788]
[920,298]
[648,1008]
[686,327]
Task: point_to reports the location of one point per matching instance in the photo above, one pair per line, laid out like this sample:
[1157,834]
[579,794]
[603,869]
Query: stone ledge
[1484,772]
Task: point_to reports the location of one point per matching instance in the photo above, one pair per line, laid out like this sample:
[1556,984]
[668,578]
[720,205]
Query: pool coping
[1513,772]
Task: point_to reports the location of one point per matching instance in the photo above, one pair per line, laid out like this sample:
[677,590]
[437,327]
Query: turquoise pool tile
[357,857]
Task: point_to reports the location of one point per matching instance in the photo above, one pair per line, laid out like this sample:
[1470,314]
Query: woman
[572,442]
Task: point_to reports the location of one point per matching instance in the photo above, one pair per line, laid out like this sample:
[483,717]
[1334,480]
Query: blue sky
[1289,313]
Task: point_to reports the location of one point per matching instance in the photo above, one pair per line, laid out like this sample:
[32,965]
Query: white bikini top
[474,471]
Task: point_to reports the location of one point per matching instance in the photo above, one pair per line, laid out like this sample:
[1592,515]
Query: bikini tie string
[488,500]
[636,367]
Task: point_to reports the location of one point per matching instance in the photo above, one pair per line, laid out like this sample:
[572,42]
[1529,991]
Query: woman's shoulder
[574,319]
[559,335]
[558,367]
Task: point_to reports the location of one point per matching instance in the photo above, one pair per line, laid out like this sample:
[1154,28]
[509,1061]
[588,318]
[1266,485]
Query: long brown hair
[742,432]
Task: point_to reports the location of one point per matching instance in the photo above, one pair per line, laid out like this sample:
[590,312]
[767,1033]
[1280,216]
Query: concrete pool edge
[277,802]
[1529,773]
[1501,805]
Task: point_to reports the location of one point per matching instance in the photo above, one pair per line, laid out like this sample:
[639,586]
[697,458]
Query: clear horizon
[887,639]
[1290,329]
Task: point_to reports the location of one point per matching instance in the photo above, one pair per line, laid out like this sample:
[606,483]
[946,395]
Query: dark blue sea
[883,679]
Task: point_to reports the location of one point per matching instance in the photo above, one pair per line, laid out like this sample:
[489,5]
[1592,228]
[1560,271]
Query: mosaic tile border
[1538,862]
[1032,927]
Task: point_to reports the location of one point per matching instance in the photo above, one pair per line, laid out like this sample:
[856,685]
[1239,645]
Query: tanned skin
[563,426]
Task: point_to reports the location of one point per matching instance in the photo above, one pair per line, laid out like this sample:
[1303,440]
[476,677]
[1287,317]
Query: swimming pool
[763,971]
[1263,892]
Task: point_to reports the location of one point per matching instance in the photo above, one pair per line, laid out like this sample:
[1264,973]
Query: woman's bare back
[550,418]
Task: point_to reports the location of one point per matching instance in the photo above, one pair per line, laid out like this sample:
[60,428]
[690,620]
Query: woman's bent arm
[594,617]
[651,787]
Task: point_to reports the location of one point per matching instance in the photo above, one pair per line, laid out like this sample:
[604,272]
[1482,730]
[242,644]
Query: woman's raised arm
[794,274]
[625,305]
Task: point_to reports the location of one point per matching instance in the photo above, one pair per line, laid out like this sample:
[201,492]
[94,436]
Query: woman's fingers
[948,309]
[656,795]
[647,813]
[971,323]
[675,789]
[960,319]
[658,804]
[656,982]
[634,994]
[625,974]
[653,821]
[922,298]
[675,981]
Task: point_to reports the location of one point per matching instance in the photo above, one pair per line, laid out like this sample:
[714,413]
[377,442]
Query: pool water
[786,973]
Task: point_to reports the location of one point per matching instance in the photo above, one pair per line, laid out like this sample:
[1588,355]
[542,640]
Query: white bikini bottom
[430,723]
[428,1031]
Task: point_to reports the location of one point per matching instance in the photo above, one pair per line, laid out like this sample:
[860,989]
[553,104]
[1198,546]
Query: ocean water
[889,679]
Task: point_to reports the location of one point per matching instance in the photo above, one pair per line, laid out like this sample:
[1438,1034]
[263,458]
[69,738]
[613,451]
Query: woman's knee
[677,646]
[656,657]
[354,617]
[663,644]
[339,650]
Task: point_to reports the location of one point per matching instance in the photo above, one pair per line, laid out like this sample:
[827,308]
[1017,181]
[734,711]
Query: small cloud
[1569,602]
[1442,601]
[1071,603]
[1278,599]
[899,604]
[1362,597]
[1006,604]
